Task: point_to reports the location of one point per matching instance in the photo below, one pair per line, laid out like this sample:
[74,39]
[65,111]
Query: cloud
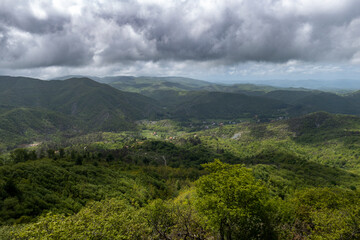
[32,16]
[35,33]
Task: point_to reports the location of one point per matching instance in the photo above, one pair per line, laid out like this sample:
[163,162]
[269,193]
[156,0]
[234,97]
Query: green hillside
[218,105]
[146,85]
[291,175]
[81,105]
[79,97]
[177,93]
[329,102]
[32,108]
[25,125]
[291,97]
[311,101]
[181,92]
[155,86]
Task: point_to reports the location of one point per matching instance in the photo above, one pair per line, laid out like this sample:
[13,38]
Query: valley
[180,120]
[82,159]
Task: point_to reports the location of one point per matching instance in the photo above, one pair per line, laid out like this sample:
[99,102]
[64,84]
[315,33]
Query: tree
[41,154]
[61,153]
[233,202]
[160,217]
[79,160]
[51,153]
[326,213]
[175,219]
[110,157]
[11,189]
[109,219]
[19,155]
[32,155]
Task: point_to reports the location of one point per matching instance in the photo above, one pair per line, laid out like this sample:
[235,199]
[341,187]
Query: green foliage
[19,155]
[217,105]
[300,181]
[117,219]
[196,99]
[324,213]
[176,219]
[33,109]
[27,189]
[110,219]
[233,202]
[23,125]
[227,203]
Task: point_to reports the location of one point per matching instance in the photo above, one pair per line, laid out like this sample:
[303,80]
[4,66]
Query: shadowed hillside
[32,107]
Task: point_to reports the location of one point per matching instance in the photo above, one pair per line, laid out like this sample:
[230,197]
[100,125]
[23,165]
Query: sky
[215,40]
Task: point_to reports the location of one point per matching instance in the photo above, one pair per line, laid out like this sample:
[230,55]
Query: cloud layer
[99,33]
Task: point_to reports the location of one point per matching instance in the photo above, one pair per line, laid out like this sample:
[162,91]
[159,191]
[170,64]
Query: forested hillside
[81,159]
[32,109]
[184,92]
[296,178]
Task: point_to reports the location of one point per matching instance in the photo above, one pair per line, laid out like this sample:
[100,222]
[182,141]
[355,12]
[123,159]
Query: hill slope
[79,97]
[219,105]
[79,104]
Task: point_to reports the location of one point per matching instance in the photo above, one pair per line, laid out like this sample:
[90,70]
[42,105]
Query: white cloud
[178,37]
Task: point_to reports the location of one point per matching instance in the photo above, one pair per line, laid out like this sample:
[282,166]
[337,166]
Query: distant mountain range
[338,85]
[32,108]
[325,85]
[148,84]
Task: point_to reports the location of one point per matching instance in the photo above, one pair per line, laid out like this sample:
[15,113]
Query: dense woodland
[102,166]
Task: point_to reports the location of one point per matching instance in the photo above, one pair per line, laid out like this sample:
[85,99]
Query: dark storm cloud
[37,33]
[56,49]
[21,18]
[38,39]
